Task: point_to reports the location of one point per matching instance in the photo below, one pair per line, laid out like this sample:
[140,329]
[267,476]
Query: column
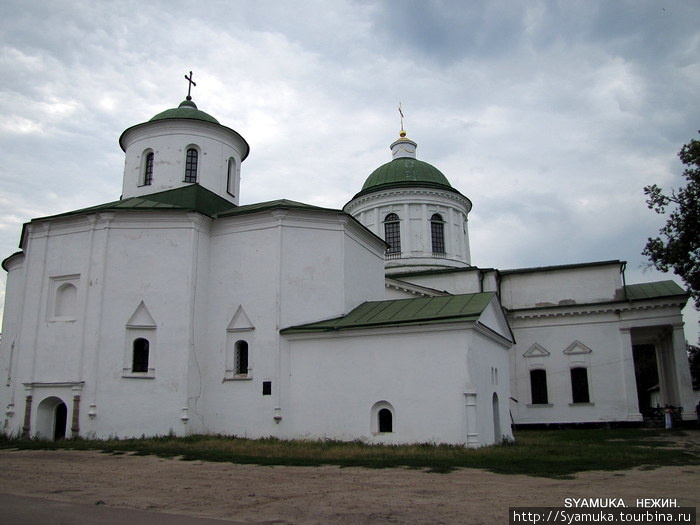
[27,417]
[629,381]
[681,375]
[75,426]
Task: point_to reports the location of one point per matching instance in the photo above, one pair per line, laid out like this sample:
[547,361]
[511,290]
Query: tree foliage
[678,248]
[694,362]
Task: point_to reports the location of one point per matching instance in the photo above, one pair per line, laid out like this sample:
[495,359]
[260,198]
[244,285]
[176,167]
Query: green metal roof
[639,292]
[188,198]
[403,312]
[273,205]
[186,110]
[405,171]
[192,198]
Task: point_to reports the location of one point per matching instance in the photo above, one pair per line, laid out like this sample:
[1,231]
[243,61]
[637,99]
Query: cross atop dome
[403,147]
[189,87]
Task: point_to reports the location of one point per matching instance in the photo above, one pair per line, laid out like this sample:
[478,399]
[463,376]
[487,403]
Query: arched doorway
[51,419]
[383,420]
[496,420]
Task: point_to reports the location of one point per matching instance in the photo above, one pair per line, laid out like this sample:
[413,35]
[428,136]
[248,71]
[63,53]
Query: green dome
[405,171]
[186,110]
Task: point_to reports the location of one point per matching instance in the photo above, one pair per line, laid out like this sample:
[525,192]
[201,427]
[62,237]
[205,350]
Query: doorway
[51,419]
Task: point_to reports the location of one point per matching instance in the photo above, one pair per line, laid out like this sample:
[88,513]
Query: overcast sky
[550,116]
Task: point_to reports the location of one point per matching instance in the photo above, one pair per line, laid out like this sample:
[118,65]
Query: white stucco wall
[421,372]
[415,207]
[579,284]
[169,141]
[605,365]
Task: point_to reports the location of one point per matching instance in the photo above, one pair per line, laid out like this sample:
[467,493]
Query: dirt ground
[311,495]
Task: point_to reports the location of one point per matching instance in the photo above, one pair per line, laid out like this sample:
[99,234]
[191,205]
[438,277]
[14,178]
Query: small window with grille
[191,165]
[148,169]
[392,233]
[241,364]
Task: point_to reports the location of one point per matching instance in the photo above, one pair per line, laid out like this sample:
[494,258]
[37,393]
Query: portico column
[629,381]
[684,384]
[27,416]
[75,426]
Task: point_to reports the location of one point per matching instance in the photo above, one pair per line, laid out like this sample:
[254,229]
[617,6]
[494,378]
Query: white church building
[177,310]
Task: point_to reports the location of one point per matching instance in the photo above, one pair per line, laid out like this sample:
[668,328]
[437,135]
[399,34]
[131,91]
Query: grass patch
[547,453]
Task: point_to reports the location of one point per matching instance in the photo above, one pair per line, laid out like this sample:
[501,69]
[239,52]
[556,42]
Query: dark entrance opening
[646,372]
[60,420]
[385,420]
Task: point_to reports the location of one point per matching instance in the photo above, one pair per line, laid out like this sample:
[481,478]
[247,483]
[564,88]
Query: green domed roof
[405,171]
[186,110]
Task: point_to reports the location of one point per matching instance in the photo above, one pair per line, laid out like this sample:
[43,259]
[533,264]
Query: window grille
[148,170]
[191,165]
[392,234]
[437,234]
[241,365]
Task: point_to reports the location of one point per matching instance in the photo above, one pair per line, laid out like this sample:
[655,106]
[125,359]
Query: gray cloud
[549,116]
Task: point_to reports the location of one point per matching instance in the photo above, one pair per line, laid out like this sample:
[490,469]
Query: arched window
[392,233]
[579,385]
[241,358]
[148,169]
[385,420]
[191,165]
[538,387]
[231,177]
[139,362]
[437,234]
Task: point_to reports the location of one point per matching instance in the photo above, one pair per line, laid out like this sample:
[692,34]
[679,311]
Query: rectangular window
[267,388]
[538,387]
[579,385]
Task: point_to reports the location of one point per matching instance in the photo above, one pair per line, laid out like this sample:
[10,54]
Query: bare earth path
[309,495]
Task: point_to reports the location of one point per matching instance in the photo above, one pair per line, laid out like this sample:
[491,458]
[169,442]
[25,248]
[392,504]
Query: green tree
[694,362]
[678,248]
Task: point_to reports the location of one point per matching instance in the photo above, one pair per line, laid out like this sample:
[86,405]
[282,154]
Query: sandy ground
[310,495]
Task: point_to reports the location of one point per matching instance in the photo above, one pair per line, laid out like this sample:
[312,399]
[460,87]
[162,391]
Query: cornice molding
[588,309]
[401,193]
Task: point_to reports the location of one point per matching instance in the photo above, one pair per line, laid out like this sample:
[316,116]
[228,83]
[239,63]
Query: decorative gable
[536,351]
[240,321]
[141,318]
[577,347]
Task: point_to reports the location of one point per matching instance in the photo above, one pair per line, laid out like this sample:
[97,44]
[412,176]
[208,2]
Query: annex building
[177,310]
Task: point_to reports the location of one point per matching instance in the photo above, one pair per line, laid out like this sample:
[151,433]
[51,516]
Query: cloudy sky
[551,116]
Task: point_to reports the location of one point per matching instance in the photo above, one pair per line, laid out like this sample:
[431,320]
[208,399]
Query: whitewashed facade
[175,310]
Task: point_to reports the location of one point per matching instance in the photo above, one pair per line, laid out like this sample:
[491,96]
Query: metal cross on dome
[189,88]
[401,113]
